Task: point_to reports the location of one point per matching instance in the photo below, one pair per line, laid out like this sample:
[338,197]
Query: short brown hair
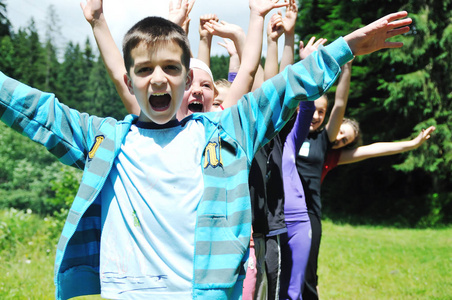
[154,31]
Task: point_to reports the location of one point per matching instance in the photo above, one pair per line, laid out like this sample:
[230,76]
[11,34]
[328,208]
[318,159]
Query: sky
[121,15]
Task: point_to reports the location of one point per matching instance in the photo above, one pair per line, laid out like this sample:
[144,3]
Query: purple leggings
[295,247]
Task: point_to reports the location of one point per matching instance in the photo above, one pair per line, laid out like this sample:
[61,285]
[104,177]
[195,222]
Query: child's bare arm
[340,102]
[234,60]
[236,34]
[113,60]
[349,156]
[205,38]
[289,21]
[243,83]
[258,78]
[228,31]
[275,29]
[259,75]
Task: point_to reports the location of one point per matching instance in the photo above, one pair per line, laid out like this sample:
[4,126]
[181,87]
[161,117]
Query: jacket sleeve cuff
[340,51]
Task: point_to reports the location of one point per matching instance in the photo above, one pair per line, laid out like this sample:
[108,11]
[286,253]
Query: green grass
[27,252]
[356,262]
[385,263]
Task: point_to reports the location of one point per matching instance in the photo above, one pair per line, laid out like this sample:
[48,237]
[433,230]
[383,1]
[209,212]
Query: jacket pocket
[218,254]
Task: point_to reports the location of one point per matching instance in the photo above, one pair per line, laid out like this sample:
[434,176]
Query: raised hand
[312,46]
[373,37]
[423,136]
[290,18]
[262,7]
[229,46]
[275,27]
[92,10]
[203,20]
[223,29]
[180,13]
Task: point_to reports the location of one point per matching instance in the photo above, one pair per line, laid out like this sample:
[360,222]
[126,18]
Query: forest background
[394,94]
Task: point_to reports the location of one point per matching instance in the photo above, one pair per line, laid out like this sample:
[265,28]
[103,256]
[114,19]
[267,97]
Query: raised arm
[340,102]
[289,21]
[234,33]
[234,60]
[113,60]
[228,31]
[252,49]
[205,38]
[349,156]
[275,29]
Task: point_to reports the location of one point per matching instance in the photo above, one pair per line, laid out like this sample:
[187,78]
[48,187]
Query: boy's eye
[172,67]
[207,85]
[145,70]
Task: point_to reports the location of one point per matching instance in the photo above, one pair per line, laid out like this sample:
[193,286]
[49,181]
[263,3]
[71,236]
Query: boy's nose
[158,76]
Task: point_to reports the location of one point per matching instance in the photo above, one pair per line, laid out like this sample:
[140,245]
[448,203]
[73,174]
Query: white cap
[199,64]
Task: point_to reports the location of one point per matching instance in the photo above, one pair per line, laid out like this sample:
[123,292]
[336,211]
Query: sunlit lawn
[385,263]
[355,262]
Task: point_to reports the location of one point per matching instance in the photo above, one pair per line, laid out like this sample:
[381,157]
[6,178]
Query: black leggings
[311,278]
[273,266]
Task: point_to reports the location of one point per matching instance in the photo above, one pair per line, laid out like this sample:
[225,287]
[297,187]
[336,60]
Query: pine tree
[52,64]
[5,24]
[30,62]
[72,78]
[7,62]
[103,99]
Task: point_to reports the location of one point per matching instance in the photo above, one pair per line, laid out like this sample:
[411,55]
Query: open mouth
[160,102]
[195,106]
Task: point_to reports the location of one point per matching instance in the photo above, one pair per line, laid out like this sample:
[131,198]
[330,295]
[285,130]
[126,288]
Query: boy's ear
[128,83]
[189,79]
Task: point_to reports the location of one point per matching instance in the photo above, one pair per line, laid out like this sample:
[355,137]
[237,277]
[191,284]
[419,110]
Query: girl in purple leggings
[293,263]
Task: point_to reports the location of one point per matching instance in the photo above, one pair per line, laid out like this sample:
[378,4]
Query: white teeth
[158,94]
[195,102]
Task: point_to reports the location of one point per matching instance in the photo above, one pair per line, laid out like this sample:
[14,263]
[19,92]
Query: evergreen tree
[104,101]
[7,62]
[30,63]
[72,79]
[5,24]
[52,34]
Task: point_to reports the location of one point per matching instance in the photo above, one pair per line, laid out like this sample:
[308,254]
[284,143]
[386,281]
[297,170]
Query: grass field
[385,263]
[356,262]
